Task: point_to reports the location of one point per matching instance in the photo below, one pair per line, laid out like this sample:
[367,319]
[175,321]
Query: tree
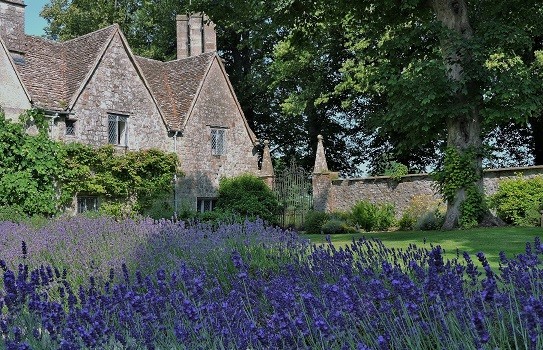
[248,33]
[441,70]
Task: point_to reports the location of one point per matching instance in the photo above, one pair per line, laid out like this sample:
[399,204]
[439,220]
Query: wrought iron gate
[294,191]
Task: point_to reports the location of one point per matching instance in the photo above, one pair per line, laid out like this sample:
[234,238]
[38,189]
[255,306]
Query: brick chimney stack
[195,35]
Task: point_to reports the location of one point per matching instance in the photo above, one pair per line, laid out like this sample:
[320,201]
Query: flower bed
[269,290]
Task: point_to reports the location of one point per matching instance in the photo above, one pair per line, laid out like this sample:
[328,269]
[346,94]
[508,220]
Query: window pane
[218,141]
[70,127]
[122,133]
[87,204]
[112,131]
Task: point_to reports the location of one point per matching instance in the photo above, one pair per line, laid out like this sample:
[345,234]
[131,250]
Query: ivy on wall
[132,180]
[42,176]
[29,166]
[459,171]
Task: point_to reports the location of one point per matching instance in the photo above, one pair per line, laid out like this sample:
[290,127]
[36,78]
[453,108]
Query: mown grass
[491,241]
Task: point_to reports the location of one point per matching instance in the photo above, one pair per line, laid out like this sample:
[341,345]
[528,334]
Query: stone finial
[267,166]
[320,159]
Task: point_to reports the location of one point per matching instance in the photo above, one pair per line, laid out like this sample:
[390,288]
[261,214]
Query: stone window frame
[117,129]
[218,140]
[204,204]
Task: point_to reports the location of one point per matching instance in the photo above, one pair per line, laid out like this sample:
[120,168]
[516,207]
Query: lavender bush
[91,246]
[280,296]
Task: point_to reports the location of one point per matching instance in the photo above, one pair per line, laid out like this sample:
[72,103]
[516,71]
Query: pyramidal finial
[320,159]
[267,167]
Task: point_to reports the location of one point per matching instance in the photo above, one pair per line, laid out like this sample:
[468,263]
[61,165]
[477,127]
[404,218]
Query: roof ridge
[148,59]
[114,25]
[212,53]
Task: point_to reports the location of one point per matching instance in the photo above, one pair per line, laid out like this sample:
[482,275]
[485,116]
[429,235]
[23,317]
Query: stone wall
[343,194]
[12,22]
[215,107]
[13,98]
[116,87]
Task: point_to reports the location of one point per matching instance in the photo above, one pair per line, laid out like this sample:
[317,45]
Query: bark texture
[464,130]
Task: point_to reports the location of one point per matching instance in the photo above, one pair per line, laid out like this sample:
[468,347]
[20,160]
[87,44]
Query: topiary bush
[370,217]
[248,195]
[519,200]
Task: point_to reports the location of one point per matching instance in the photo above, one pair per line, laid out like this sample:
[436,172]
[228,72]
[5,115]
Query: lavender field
[103,284]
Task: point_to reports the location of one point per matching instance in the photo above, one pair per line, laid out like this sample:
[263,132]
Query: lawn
[143,284]
[491,241]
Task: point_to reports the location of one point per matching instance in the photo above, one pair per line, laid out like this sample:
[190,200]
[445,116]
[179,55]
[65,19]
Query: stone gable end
[215,107]
[115,87]
[13,98]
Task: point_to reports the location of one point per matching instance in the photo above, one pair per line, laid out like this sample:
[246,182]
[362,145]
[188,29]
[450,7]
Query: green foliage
[129,183]
[518,200]
[217,217]
[29,166]
[314,221]
[460,172]
[371,217]
[335,226]
[247,195]
[396,170]
[430,221]
[39,176]
[417,211]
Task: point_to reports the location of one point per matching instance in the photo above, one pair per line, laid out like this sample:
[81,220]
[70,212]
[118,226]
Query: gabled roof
[52,72]
[175,84]
[55,74]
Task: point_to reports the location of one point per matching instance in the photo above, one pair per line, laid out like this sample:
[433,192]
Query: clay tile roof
[52,72]
[81,54]
[174,84]
[43,72]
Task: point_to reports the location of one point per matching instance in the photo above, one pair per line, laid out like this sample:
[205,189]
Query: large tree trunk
[464,130]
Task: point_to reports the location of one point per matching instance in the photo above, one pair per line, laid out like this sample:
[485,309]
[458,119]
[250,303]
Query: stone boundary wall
[343,194]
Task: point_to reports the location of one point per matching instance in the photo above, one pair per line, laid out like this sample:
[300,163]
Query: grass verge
[511,240]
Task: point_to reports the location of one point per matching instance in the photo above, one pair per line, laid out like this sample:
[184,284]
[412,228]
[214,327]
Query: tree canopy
[420,82]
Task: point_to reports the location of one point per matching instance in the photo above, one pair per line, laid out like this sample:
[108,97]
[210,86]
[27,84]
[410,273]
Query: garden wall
[342,194]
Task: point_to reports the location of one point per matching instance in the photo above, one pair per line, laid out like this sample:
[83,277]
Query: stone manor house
[94,90]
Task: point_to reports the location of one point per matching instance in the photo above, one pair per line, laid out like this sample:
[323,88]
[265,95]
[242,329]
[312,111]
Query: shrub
[333,226]
[372,216]
[518,200]
[384,217]
[419,206]
[363,215]
[247,195]
[431,220]
[218,216]
[314,221]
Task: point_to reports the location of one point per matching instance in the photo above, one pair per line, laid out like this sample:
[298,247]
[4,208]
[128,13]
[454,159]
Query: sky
[34,24]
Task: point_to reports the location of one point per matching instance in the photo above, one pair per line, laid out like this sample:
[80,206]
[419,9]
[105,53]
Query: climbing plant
[29,166]
[42,176]
[459,173]
[129,181]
